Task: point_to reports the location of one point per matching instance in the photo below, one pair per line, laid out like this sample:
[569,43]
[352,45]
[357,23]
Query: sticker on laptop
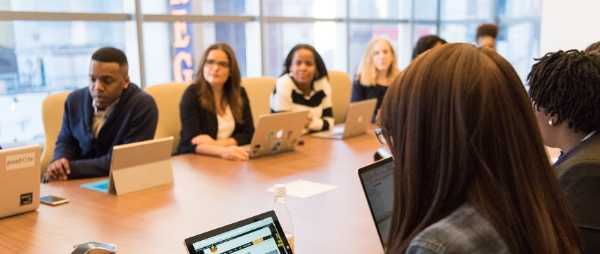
[20,161]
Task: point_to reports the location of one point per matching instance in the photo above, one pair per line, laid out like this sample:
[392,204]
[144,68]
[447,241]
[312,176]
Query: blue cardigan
[134,119]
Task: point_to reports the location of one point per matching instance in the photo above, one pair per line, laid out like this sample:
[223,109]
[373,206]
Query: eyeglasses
[213,63]
[380,136]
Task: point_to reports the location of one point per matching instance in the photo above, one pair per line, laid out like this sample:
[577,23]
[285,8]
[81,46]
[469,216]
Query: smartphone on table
[53,200]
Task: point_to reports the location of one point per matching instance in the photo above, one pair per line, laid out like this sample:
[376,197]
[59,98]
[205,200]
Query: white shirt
[226,124]
[288,97]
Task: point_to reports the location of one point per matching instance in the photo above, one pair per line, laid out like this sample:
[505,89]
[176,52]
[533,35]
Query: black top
[133,119]
[361,92]
[195,121]
[579,177]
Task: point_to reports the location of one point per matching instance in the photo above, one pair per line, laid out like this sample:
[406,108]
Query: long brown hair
[231,89]
[462,130]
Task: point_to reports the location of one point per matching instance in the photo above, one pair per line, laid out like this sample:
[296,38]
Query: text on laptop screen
[379,188]
[259,237]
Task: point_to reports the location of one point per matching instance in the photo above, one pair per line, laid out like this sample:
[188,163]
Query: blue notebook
[101,186]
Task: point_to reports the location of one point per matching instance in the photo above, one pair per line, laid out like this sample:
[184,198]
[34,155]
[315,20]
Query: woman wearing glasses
[215,111]
[470,167]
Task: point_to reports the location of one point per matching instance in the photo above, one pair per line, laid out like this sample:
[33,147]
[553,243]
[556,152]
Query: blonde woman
[376,71]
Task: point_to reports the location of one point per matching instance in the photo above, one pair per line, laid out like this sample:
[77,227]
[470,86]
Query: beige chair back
[53,108]
[167,97]
[341,89]
[259,90]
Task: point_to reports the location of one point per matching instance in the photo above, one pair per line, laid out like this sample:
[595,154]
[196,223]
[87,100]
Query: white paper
[305,189]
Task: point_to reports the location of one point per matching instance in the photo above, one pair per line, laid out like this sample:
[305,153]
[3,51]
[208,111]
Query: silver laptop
[137,166]
[377,180]
[358,119]
[276,133]
[20,180]
[260,234]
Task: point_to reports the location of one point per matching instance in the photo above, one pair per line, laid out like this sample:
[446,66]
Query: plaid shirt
[463,231]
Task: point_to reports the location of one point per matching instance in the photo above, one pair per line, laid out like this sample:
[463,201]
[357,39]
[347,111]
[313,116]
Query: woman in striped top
[304,85]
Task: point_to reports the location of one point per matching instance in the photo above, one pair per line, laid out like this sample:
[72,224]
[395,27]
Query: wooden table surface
[209,193]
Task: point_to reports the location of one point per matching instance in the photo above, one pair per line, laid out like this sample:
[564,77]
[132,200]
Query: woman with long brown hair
[215,110]
[471,173]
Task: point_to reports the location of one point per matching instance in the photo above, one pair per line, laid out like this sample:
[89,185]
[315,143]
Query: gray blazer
[579,177]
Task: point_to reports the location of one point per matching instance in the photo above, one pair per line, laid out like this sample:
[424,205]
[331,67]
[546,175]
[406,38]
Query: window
[329,38]
[45,46]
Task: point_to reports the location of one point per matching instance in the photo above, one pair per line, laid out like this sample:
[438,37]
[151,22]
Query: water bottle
[283,213]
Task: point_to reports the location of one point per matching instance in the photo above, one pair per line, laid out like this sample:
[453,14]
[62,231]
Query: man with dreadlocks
[565,91]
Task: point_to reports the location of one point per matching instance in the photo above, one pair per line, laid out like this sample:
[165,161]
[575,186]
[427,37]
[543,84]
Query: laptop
[20,180]
[358,119]
[260,234]
[277,133]
[137,166]
[377,180]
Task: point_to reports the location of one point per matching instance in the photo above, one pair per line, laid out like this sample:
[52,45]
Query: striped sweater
[288,97]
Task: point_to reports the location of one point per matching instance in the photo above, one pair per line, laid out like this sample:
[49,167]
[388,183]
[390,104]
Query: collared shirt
[100,116]
[563,155]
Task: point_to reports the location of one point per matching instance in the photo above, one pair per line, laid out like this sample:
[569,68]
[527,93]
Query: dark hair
[567,84]
[231,89]
[320,64]
[425,43]
[487,30]
[594,48]
[110,55]
[461,130]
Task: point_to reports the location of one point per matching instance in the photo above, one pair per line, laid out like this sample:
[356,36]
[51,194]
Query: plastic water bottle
[283,213]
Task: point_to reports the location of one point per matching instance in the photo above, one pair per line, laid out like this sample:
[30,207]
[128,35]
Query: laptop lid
[140,165]
[256,235]
[20,180]
[377,180]
[358,117]
[278,132]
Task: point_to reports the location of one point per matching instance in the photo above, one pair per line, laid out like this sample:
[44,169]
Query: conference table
[208,193]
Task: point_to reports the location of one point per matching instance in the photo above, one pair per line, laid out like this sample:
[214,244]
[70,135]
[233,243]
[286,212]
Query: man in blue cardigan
[111,111]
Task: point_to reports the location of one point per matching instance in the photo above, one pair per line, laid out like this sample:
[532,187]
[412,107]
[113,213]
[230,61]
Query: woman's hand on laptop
[235,153]
[58,170]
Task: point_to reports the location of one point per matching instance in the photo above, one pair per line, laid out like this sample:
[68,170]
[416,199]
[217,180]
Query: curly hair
[425,43]
[487,30]
[566,84]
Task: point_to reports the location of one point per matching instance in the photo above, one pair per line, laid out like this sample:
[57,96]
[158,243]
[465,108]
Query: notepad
[101,186]
[305,189]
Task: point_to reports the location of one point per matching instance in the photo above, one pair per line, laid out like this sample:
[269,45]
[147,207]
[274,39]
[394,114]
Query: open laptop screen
[378,183]
[259,234]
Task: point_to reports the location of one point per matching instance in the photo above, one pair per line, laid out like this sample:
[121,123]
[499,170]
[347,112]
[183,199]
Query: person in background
[215,111]
[594,48]
[111,111]
[471,173]
[564,87]
[486,36]
[425,43]
[304,85]
[377,70]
